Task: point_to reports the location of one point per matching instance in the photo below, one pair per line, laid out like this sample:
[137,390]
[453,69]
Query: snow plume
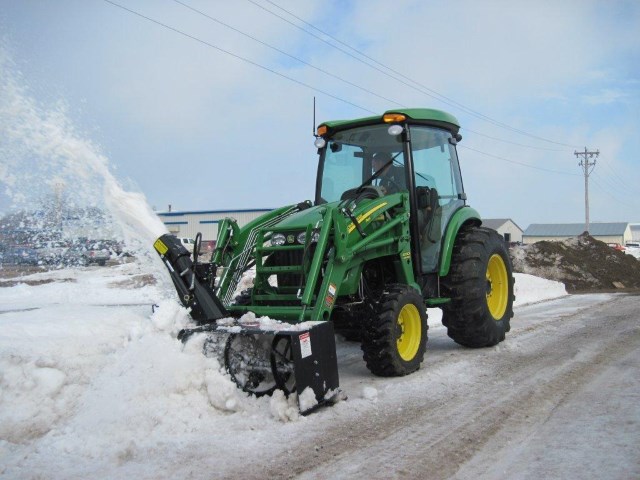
[48,167]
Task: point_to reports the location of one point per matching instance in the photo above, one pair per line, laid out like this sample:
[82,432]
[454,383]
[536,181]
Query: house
[618,232]
[635,232]
[505,227]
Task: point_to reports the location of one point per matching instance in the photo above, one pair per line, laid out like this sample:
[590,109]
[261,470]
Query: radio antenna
[314,117]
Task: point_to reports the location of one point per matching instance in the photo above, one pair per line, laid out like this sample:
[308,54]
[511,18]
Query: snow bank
[529,289]
[90,383]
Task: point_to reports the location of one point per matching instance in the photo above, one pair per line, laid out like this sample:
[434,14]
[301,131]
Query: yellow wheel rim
[410,325]
[497,286]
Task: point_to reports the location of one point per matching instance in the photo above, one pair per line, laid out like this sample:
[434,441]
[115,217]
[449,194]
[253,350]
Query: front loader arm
[235,248]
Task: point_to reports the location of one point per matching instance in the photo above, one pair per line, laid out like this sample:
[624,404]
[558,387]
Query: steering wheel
[364,191]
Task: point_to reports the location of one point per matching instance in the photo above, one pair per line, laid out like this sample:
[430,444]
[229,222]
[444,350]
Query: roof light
[395,129]
[394,117]
[322,130]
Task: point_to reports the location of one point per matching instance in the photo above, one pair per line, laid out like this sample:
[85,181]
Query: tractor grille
[281,274]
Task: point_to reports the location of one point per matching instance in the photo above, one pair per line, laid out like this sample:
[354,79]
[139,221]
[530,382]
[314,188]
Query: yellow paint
[498,282]
[160,247]
[366,216]
[410,325]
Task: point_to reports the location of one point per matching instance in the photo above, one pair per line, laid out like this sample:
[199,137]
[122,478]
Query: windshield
[348,160]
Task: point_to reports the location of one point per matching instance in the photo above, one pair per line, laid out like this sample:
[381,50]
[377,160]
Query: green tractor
[388,235]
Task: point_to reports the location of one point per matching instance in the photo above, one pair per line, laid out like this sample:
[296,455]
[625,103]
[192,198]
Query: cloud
[606,96]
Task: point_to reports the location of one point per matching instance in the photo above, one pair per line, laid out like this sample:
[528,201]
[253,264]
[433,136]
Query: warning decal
[331,294]
[305,345]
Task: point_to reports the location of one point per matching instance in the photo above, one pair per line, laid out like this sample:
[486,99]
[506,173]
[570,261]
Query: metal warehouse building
[188,224]
[605,232]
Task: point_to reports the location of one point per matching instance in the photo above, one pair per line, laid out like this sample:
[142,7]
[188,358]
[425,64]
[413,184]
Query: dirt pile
[582,264]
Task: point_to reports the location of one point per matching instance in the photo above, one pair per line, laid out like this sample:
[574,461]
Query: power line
[305,84]
[218,21]
[605,183]
[620,180]
[607,192]
[255,64]
[285,53]
[513,143]
[522,164]
[612,186]
[421,88]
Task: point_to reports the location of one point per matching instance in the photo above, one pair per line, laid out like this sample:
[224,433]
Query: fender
[464,216]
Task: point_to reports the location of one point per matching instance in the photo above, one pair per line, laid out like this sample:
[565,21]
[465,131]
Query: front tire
[480,285]
[394,338]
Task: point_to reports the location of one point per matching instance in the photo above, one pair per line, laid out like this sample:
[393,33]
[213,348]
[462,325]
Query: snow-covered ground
[93,382]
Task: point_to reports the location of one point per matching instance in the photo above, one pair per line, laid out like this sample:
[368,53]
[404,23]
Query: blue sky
[192,126]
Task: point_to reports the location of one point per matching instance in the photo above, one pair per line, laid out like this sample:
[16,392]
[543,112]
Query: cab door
[439,191]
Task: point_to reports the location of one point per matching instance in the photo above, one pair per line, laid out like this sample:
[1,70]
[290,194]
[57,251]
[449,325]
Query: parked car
[20,256]
[81,254]
[187,243]
[616,246]
[52,252]
[632,244]
[115,247]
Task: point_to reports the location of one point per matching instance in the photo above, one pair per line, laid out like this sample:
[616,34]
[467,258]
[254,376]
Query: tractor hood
[364,209]
[310,216]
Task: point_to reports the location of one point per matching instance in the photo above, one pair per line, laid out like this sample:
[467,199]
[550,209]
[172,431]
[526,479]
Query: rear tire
[394,339]
[480,285]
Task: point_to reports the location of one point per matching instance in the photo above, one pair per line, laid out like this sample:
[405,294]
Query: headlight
[278,239]
[315,236]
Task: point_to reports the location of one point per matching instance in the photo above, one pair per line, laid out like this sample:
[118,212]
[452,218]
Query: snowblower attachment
[260,359]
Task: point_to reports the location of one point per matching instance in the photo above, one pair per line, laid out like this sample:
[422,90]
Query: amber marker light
[393,117]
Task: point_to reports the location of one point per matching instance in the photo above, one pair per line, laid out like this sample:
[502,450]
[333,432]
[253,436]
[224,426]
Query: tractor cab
[412,152]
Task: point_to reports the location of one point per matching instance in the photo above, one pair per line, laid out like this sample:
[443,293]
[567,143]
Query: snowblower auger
[258,359]
[388,235]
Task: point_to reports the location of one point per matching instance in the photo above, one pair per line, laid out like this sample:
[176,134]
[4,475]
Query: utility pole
[587,168]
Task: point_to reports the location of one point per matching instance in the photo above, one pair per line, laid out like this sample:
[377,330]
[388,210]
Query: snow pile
[530,289]
[633,251]
[581,263]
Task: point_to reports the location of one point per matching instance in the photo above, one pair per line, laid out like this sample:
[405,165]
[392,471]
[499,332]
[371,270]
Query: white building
[505,227]
[188,224]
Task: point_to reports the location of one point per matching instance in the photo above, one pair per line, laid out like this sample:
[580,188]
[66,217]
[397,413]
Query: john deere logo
[291,239]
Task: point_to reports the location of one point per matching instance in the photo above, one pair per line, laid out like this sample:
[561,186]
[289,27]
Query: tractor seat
[429,212]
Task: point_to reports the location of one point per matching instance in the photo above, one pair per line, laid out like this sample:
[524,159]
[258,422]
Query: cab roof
[425,116]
